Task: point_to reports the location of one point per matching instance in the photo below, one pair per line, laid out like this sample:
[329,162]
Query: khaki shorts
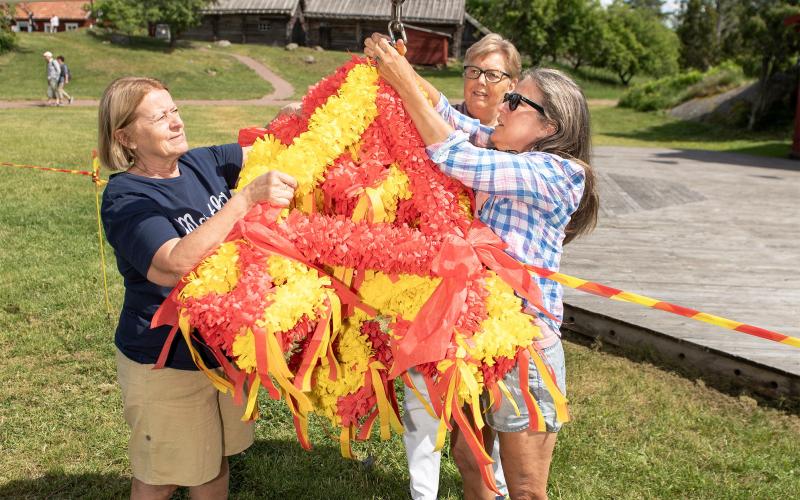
[181,426]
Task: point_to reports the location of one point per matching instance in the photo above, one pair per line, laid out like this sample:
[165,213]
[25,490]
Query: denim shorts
[505,418]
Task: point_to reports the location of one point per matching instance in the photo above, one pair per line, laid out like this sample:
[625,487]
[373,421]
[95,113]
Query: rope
[94,175]
[100,243]
[621,295]
[98,182]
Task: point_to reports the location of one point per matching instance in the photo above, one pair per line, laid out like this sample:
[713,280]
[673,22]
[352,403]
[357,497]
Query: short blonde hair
[117,111]
[496,43]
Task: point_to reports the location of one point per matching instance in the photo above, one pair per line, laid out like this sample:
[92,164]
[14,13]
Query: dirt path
[281,94]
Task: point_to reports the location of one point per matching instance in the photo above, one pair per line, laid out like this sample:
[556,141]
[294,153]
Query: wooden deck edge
[724,371]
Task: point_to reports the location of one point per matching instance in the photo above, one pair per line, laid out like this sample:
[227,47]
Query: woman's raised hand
[392,66]
[274,187]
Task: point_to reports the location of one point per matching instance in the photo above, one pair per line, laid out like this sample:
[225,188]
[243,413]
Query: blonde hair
[495,43]
[117,111]
[565,107]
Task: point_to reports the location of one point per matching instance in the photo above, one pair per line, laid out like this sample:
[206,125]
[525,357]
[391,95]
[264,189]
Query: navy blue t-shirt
[140,215]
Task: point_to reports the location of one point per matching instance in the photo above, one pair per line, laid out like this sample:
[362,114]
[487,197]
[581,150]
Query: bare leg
[144,491]
[216,489]
[526,458]
[474,489]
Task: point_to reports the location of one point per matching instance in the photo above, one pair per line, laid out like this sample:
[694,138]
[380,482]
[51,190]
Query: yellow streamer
[562,411]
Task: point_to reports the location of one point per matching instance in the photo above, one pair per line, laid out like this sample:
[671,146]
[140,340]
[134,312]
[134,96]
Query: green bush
[7,38]
[660,94]
[717,80]
[670,91]
[7,41]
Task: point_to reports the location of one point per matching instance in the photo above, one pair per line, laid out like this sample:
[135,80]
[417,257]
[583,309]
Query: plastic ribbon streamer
[633,298]
[98,183]
[93,174]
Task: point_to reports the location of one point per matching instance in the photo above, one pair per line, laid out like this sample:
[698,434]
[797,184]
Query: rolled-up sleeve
[478,134]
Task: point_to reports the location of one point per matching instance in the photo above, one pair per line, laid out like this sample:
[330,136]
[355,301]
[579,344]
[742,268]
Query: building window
[263,26]
[70,26]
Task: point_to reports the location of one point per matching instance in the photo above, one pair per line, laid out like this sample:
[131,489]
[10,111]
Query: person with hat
[53,73]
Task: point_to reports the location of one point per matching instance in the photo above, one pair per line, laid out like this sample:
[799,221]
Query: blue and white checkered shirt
[531,195]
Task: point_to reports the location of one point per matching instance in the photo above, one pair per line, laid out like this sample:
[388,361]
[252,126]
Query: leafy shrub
[7,38]
[670,91]
[716,81]
[660,94]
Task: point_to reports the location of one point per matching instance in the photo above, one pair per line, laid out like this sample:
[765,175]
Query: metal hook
[396,29]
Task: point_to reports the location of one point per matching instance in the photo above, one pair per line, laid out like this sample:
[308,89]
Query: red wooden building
[72,14]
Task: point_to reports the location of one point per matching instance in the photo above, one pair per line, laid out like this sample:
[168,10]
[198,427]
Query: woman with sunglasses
[491,69]
[534,168]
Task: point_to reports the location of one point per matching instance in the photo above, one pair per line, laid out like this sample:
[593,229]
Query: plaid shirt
[529,196]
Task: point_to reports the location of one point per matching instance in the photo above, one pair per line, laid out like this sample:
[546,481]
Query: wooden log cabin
[270,22]
[437,29]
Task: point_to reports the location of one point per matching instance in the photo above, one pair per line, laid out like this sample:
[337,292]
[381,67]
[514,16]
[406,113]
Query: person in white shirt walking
[53,73]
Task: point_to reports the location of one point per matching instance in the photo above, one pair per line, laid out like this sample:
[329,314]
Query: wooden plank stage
[717,232]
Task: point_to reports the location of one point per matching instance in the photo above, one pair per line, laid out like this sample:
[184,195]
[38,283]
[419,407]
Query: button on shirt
[530,196]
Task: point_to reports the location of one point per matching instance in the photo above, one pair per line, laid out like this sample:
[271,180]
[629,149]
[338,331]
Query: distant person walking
[53,73]
[31,26]
[54,22]
[63,78]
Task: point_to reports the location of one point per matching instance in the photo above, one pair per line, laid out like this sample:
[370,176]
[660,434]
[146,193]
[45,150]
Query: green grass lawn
[191,73]
[639,431]
[615,126]
[291,65]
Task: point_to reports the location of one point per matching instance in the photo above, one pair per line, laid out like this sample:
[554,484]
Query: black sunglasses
[513,99]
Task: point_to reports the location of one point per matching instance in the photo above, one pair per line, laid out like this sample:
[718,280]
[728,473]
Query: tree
[132,16]
[8,39]
[529,24]
[697,31]
[178,14]
[124,16]
[766,45]
[635,41]
[581,41]
[651,6]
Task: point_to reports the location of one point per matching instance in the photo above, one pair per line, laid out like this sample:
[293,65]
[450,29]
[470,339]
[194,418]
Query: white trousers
[420,440]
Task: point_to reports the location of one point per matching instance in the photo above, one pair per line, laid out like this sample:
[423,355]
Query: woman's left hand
[393,67]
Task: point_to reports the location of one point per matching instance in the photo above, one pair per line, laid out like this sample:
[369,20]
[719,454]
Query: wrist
[247,198]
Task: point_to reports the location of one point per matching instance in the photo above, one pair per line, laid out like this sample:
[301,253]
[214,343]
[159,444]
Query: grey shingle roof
[251,7]
[419,11]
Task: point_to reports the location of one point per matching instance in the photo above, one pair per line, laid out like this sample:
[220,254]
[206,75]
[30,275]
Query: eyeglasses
[513,99]
[492,75]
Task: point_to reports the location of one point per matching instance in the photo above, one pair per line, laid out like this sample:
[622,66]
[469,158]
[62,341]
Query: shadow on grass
[270,468]
[134,42]
[650,355]
[282,469]
[63,485]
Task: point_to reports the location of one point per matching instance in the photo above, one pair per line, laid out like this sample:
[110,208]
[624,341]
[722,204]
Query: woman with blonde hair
[534,168]
[492,67]
[165,208]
